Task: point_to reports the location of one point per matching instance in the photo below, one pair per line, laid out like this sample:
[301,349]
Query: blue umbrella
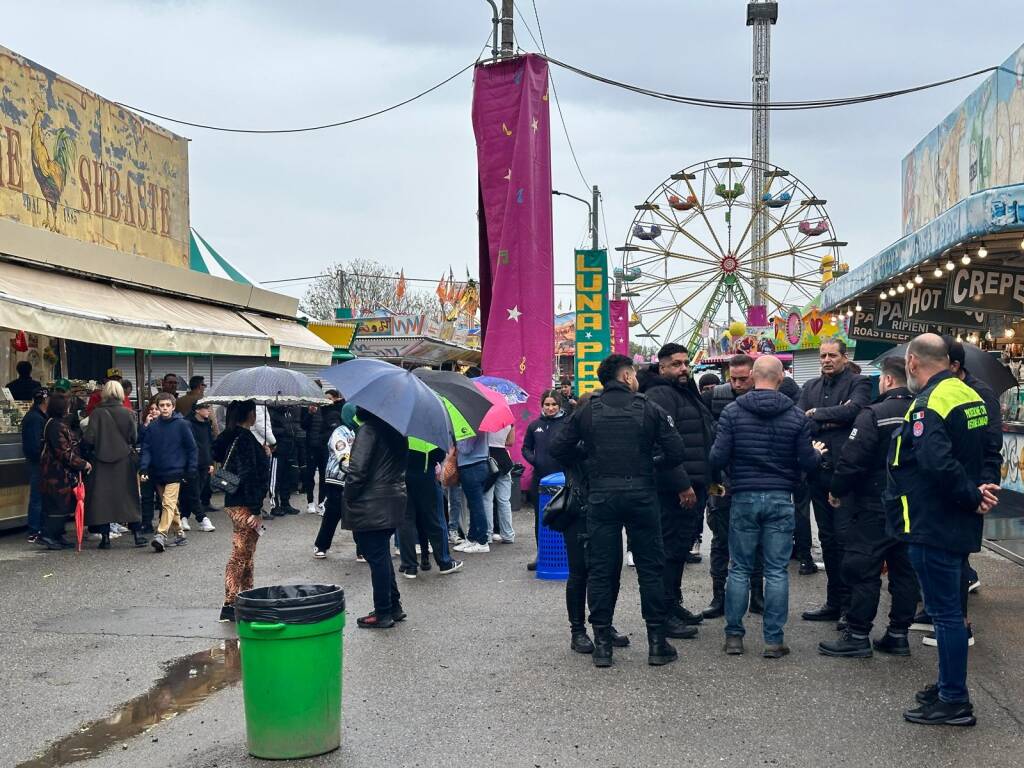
[268,386]
[395,396]
[512,392]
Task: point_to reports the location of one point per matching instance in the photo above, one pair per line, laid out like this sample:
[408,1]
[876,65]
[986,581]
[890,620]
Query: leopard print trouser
[239,571]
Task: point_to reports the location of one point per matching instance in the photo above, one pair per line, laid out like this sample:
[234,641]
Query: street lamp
[591,208]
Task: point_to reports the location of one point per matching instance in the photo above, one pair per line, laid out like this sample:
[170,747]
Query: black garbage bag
[290,603]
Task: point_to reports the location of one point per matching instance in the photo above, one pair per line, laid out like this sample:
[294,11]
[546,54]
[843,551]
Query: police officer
[832,402]
[935,498]
[858,484]
[615,435]
[740,382]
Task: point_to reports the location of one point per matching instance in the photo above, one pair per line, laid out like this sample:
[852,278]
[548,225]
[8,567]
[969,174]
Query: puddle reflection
[187,682]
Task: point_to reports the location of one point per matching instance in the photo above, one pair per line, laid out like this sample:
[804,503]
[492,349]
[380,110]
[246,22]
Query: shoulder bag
[224,479]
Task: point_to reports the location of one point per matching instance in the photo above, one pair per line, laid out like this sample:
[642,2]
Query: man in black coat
[832,402]
[858,484]
[717,398]
[23,387]
[32,447]
[682,490]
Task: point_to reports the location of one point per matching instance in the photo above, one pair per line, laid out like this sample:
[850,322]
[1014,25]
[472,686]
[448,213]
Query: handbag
[450,469]
[559,513]
[224,479]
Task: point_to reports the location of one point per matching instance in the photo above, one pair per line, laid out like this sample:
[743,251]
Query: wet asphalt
[481,673]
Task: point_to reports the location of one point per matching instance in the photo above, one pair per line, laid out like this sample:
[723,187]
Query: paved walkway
[481,673]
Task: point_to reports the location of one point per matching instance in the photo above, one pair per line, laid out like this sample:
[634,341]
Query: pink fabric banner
[513,140]
[618,312]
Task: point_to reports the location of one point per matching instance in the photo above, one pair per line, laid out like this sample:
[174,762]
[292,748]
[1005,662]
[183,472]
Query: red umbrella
[499,416]
[80,512]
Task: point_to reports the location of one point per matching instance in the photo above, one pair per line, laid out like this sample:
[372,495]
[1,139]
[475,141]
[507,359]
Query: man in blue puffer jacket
[169,456]
[764,441]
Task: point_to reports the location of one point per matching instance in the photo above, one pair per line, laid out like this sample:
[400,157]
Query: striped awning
[202,258]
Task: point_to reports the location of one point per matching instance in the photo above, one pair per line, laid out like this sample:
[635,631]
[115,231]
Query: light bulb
[938,272]
[849,312]
[883,295]
[965,260]
[1022,245]
[950,266]
[910,285]
[900,289]
[918,279]
[1009,333]
[859,307]
[960,338]
[982,251]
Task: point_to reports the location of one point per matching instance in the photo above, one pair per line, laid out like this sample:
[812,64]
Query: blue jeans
[766,518]
[35,500]
[938,570]
[501,492]
[472,479]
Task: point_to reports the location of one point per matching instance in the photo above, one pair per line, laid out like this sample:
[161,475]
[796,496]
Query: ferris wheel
[692,260]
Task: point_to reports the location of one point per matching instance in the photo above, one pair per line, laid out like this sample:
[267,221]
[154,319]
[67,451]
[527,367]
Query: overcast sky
[402,187]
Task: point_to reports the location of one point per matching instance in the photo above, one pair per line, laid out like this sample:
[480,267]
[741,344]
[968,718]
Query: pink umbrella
[80,512]
[500,415]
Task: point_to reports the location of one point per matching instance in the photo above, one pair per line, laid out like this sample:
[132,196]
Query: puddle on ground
[186,683]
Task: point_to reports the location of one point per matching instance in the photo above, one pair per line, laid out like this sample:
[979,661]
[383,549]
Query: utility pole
[341,288]
[593,219]
[507,45]
[761,15]
[494,36]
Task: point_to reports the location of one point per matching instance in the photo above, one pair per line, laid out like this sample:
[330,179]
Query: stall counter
[13,482]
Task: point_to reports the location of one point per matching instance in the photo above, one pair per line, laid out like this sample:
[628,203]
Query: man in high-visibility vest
[935,499]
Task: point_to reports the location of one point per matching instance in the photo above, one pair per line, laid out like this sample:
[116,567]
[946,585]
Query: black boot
[581,641]
[619,640]
[716,609]
[847,646]
[893,644]
[659,650]
[104,541]
[140,540]
[825,613]
[683,614]
[757,596]
[678,629]
[602,656]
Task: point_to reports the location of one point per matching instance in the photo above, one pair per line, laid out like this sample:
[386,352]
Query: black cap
[40,394]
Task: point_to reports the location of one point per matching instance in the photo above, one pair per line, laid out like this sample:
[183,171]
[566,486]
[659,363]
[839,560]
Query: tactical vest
[620,452]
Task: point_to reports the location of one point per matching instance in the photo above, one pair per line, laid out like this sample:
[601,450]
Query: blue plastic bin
[552,560]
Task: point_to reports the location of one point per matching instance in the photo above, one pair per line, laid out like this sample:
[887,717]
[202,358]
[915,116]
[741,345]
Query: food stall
[959,268]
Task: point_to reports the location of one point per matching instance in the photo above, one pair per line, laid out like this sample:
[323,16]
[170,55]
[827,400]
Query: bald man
[764,443]
[935,499]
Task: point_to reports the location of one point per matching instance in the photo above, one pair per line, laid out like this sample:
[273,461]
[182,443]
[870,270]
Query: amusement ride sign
[593,337]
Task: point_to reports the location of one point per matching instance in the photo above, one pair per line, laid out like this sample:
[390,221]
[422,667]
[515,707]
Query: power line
[776,105]
[334,275]
[554,90]
[310,128]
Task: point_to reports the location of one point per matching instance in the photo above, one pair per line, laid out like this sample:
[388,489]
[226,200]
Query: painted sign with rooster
[84,167]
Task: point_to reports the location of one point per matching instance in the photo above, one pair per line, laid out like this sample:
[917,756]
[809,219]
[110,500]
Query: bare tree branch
[370,285]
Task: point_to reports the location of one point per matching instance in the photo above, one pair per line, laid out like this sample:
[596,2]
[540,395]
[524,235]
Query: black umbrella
[978,362]
[461,392]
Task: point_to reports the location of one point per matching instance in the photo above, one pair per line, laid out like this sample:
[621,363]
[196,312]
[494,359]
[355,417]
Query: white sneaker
[114,534]
[206,525]
[629,560]
[461,546]
[496,537]
[472,548]
[311,508]
[321,508]
[117,528]
[360,559]
[319,554]
[94,537]
[184,524]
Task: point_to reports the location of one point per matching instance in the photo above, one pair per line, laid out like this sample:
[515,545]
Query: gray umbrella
[978,362]
[267,385]
[395,396]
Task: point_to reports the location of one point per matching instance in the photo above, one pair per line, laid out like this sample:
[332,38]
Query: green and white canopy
[202,258]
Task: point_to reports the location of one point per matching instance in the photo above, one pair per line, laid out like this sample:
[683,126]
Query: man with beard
[682,490]
[740,382]
[832,402]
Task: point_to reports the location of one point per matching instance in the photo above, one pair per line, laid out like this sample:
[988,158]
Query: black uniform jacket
[694,423]
[860,466]
[836,401]
[936,462]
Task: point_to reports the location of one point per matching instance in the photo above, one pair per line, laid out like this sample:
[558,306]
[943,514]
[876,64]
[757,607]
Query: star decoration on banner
[508,176]
[514,313]
[589,335]
[535,124]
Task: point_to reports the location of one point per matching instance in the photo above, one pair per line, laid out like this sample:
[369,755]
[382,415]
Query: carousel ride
[692,261]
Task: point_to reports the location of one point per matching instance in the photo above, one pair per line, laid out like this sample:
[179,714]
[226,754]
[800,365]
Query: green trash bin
[291,650]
